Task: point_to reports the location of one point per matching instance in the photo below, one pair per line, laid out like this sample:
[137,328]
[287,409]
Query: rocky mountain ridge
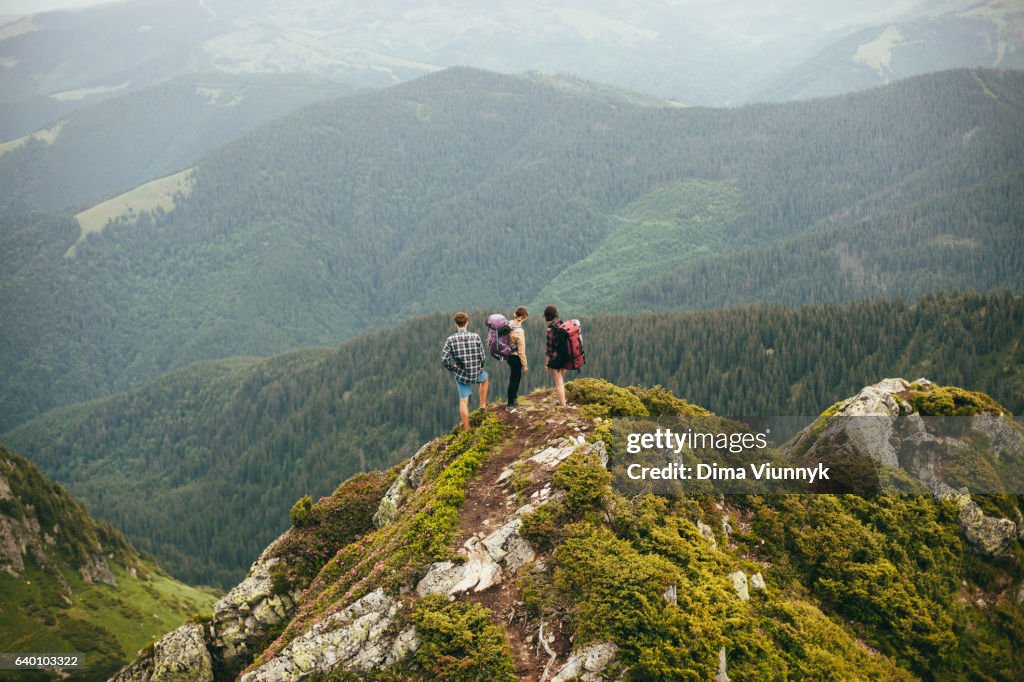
[504,551]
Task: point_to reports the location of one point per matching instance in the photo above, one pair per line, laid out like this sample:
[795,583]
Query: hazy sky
[31,6]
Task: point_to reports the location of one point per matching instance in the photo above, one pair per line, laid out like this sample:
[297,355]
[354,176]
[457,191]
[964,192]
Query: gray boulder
[179,656]
[587,665]
[409,477]
[358,638]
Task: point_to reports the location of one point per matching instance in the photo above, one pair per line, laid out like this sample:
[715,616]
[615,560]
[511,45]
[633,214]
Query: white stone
[708,534]
[739,583]
[722,675]
[588,664]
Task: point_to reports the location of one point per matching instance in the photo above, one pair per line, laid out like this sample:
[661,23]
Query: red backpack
[571,343]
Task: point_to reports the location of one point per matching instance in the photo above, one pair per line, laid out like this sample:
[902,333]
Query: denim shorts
[466,390]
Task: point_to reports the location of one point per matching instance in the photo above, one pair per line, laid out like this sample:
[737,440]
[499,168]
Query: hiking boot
[511,409]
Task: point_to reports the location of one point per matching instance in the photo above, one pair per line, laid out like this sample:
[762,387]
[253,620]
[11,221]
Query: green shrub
[327,526]
[540,527]
[299,514]
[584,479]
[950,401]
[460,643]
[608,399]
[659,401]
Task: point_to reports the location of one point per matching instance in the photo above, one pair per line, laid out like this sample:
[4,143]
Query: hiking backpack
[571,342]
[497,337]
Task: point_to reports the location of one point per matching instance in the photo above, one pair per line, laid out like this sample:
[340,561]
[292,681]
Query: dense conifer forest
[184,463]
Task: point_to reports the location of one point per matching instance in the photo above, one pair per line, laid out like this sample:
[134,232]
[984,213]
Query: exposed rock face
[410,477]
[708,533]
[671,595]
[18,538]
[246,612]
[96,570]
[182,656]
[862,425]
[587,664]
[870,425]
[1003,438]
[488,560]
[722,675]
[179,656]
[355,638]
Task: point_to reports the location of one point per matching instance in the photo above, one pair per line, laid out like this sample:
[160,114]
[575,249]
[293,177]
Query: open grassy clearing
[159,193]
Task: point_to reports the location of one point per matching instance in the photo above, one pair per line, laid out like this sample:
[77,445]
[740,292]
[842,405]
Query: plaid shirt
[463,356]
[552,345]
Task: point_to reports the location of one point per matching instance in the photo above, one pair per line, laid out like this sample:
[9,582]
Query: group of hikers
[463,355]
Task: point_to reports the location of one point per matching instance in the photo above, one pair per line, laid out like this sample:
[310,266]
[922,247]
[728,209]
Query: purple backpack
[497,337]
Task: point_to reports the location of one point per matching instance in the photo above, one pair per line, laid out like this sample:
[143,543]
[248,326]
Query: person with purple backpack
[507,341]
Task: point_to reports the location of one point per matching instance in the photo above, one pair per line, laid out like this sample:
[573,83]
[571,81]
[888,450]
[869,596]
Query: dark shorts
[557,363]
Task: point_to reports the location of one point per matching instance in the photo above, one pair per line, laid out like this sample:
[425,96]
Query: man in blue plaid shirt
[463,356]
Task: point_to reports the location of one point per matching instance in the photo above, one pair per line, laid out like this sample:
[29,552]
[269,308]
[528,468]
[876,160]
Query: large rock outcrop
[880,426]
[246,613]
[179,656]
[241,618]
[357,638]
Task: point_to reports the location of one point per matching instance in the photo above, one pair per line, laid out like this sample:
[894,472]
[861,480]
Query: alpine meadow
[255,255]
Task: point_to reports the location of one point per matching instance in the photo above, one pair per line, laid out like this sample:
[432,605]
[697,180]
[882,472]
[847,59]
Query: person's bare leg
[560,386]
[464,412]
[483,393]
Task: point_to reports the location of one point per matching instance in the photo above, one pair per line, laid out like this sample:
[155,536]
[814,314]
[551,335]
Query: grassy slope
[118,620]
[51,608]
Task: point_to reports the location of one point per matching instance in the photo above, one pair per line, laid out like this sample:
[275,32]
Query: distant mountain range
[698,53]
[469,189]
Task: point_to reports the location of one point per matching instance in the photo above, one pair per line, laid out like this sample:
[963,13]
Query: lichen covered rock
[249,610]
[356,638]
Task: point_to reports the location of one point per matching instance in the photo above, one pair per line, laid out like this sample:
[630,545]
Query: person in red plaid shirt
[463,356]
[556,356]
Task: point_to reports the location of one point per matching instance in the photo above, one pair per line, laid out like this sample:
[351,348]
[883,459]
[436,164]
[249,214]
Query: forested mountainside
[112,146]
[478,190]
[184,463]
[505,552]
[69,583]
